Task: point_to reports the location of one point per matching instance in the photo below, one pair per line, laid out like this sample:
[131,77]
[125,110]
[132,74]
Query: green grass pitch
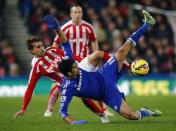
[33,119]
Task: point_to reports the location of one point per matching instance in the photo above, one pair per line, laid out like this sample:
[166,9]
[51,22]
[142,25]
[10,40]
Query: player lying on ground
[101,85]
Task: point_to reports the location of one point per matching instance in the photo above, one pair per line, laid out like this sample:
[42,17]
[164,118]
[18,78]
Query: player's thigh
[113,98]
[110,71]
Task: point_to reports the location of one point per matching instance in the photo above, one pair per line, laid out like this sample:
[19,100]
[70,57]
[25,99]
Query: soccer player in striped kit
[80,35]
[44,63]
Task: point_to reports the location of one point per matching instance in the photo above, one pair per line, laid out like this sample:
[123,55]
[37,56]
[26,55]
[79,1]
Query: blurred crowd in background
[113,22]
[8,62]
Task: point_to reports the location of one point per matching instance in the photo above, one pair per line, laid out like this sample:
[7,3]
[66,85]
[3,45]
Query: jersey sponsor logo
[80,81]
[78,40]
[53,62]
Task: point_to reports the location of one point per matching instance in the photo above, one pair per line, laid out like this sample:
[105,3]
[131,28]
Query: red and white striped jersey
[79,37]
[44,66]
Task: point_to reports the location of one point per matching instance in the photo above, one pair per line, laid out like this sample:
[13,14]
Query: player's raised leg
[125,110]
[134,38]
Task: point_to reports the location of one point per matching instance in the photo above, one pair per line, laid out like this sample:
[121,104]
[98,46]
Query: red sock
[55,87]
[106,56]
[103,107]
[52,90]
[92,106]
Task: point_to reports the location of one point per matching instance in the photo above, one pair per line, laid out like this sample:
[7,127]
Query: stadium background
[113,21]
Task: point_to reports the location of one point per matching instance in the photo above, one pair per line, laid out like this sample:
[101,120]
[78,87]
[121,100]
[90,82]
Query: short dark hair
[66,66]
[75,5]
[30,40]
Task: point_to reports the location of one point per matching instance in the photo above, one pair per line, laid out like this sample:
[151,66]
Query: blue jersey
[99,85]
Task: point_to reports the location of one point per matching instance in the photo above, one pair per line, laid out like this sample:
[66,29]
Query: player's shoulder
[86,23]
[35,65]
[33,62]
[66,25]
[51,49]
[58,51]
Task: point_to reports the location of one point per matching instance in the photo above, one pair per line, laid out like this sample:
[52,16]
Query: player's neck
[36,56]
[76,23]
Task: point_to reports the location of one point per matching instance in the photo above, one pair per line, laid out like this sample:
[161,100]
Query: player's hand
[19,114]
[52,22]
[79,122]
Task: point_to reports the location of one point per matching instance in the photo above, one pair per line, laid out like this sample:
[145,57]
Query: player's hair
[75,5]
[66,66]
[30,40]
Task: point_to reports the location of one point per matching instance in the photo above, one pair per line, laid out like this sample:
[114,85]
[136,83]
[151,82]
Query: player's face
[76,14]
[38,49]
[74,72]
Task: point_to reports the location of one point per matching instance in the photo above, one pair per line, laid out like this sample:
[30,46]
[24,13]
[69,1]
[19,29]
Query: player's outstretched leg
[128,113]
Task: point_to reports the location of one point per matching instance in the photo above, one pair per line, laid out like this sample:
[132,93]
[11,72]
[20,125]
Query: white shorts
[87,66]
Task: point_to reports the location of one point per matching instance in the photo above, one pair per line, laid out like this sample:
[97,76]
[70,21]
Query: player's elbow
[64,40]
[99,54]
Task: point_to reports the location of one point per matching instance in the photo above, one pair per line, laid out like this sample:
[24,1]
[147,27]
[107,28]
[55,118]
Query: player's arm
[95,46]
[54,25]
[28,93]
[97,57]
[64,102]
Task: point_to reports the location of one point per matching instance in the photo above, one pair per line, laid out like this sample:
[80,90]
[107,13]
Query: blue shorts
[112,96]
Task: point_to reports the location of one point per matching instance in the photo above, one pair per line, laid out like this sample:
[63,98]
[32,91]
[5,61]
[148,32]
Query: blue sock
[134,38]
[143,114]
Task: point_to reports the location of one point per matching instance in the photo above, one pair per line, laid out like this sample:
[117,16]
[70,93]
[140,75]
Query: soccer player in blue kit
[101,85]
